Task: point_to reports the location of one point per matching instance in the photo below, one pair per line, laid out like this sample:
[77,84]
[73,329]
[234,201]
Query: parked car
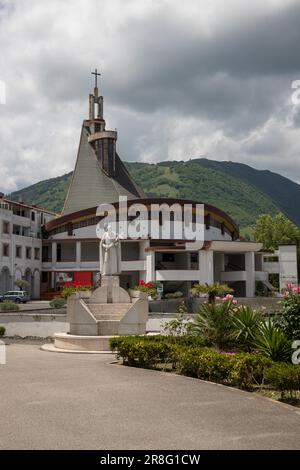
[18,296]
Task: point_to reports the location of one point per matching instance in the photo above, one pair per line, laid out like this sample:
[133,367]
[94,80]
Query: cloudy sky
[180,79]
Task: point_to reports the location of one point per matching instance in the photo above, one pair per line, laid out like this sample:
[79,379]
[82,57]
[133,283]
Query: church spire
[95,101]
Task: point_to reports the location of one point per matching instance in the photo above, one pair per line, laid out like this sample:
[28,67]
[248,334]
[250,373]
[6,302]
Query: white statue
[110,252]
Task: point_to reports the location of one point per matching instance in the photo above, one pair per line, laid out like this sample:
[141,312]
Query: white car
[18,296]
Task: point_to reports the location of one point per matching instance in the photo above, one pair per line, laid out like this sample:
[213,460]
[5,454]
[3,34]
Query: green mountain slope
[49,194]
[241,191]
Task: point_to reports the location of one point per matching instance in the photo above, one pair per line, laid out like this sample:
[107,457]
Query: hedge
[242,369]
[2,330]
[140,352]
[284,377]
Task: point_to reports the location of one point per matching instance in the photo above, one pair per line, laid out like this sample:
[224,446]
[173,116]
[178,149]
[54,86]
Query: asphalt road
[68,401]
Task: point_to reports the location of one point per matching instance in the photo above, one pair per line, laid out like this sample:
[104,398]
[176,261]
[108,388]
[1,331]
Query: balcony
[233,276]
[177,275]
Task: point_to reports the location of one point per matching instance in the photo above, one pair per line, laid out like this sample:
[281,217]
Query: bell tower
[102,140]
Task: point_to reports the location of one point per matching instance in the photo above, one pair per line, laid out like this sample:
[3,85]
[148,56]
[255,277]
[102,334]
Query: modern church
[70,246]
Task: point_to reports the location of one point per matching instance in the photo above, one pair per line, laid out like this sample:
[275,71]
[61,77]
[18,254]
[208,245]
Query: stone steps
[106,312]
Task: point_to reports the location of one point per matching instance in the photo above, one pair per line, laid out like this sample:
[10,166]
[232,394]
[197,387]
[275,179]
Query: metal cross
[96,76]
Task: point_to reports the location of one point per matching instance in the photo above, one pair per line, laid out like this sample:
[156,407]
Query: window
[45,277]
[46,253]
[28,252]
[36,253]
[33,216]
[18,251]
[17,230]
[5,227]
[70,228]
[168,257]
[207,221]
[5,249]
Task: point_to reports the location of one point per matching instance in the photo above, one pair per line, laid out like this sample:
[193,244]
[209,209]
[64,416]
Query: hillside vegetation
[241,191]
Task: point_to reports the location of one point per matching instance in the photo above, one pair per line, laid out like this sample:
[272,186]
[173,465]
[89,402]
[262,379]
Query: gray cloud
[179,81]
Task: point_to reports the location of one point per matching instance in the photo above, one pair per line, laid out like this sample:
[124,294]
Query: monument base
[64,342]
[108,312]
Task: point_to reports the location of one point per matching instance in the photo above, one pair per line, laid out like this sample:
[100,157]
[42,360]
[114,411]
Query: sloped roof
[91,186]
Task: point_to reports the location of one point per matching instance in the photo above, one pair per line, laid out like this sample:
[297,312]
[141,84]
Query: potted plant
[77,290]
[144,290]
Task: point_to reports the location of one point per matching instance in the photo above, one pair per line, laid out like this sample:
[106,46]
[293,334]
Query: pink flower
[234,301]
[227,297]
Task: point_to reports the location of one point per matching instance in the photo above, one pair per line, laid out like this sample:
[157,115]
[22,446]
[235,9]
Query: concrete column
[78,254]
[52,280]
[150,266]
[206,267]
[250,274]
[143,244]
[54,253]
[219,266]
[287,258]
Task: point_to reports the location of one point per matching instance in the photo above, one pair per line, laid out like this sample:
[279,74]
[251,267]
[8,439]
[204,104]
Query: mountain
[240,190]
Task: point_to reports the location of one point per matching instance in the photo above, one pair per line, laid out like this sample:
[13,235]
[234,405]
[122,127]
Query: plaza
[71,401]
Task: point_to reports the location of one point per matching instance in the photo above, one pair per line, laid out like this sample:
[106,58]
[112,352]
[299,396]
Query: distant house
[21,244]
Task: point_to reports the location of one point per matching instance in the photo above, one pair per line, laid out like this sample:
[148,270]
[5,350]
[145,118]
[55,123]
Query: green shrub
[272,343]
[206,364]
[248,369]
[189,358]
[245,324]
[57,303]
[286,378]
[213,323]
[289,318]
[174,295]
[179,325]
[2,330]
[138,352]
[9,305]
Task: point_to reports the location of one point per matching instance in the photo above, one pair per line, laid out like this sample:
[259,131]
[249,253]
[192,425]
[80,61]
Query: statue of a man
[110,252]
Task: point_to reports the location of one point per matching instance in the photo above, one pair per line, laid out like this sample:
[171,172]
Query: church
[70,246]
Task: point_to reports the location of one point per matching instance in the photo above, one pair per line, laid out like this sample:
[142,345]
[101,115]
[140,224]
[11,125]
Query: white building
[71,248]
[21,244]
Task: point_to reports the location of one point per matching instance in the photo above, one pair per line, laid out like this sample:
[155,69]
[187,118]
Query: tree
[273,231]
[21,283]
[211,290]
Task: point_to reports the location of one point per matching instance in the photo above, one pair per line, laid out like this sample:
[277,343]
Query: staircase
[108,316]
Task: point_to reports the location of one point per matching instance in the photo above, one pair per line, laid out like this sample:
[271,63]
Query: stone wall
[40,323]
[269,304]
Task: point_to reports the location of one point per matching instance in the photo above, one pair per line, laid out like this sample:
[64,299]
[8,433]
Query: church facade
[70,250]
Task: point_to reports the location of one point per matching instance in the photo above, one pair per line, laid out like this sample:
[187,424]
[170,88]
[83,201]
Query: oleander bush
[57,303]
[286,378]
[288,320]
[2,330]
[8,306]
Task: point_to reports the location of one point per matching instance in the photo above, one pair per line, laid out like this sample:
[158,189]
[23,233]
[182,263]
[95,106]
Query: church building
[70,250]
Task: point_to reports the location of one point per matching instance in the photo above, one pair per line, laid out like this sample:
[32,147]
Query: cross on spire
[97,74]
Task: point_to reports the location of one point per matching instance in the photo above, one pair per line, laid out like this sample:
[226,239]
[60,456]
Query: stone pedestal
[109,311]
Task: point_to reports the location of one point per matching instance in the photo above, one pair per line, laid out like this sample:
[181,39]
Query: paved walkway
[57,401]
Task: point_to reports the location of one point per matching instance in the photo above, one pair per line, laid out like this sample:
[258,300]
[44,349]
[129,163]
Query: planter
[137,294]
[84,294]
